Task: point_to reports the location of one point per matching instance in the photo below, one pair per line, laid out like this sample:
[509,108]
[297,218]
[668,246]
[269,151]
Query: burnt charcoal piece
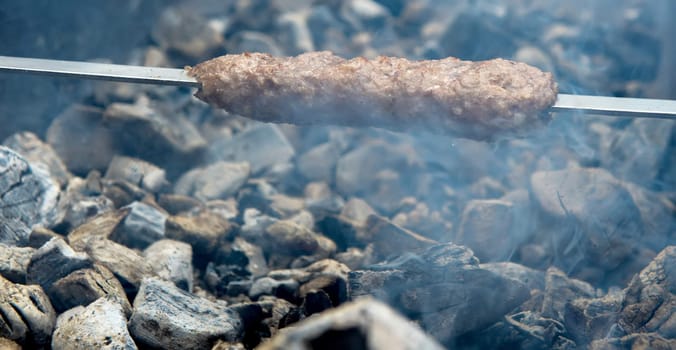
[593,216]
[81,140]
[98,227]
[37,152]
[286,237]
[83,200]
[360,325]
[319,163]
[467,99]
[100,325]
[176,204]
[335,288]
[286,289]
[137,172]
[127,265]
[55,260]
[202,231]
[650,301]
[170,140]
[28,197]
[588,319]
[216,181]
[262,145]
[635,341]
[84,286]
[144,225]
[40,236]
[172,261]
[9,345]
[167,317]
[14,262]
[487,226]
[442,286]
[533,279]
[25,313]
[560,290]
[241,256]
[389,238]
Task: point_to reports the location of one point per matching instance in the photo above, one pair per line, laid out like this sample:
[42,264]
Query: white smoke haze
[588,197]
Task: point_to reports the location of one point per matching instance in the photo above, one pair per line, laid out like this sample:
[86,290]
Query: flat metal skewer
[611,106]
[98,71]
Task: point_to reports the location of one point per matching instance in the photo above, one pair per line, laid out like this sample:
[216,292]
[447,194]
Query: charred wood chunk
[100,325]
[443,287]
[167,317]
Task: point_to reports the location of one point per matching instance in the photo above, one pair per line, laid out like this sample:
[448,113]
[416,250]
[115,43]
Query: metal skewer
[611,106]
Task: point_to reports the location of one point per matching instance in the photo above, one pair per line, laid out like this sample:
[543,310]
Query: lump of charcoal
[27,315]
[169,140]
[588,319]
[219,180]
[357,210]
[428,222]
[364,324]
[464,36]
[594,216]
[243,254]
[262,145]
[635,341]
[560,290]
[176,204]
[54,260]
[251,41]
[202,231]
[28,197]
[224,345]
[182,30]
[380,170]
[100,325]
[442,286]
[490,228]
[321,200]
[168,317]
[9,344]
[81,140]
[14,262]
[280,311]
[650,299]
[172,261]
[334,287]
[143,225]
[389,238]
[36,152]
[289,238]
[138,172]
[639,150]
[127,265]
[285,289]
[98,227]
[319,163]
[657,213]
[366,15]
[533,279]
[292,32]
[84,286]
[41,235]
[344,232]
[82,200]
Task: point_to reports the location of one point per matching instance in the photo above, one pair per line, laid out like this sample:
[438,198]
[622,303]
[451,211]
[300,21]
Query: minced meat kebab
[479,100]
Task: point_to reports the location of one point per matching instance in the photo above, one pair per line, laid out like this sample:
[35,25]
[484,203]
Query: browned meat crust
[479,100]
